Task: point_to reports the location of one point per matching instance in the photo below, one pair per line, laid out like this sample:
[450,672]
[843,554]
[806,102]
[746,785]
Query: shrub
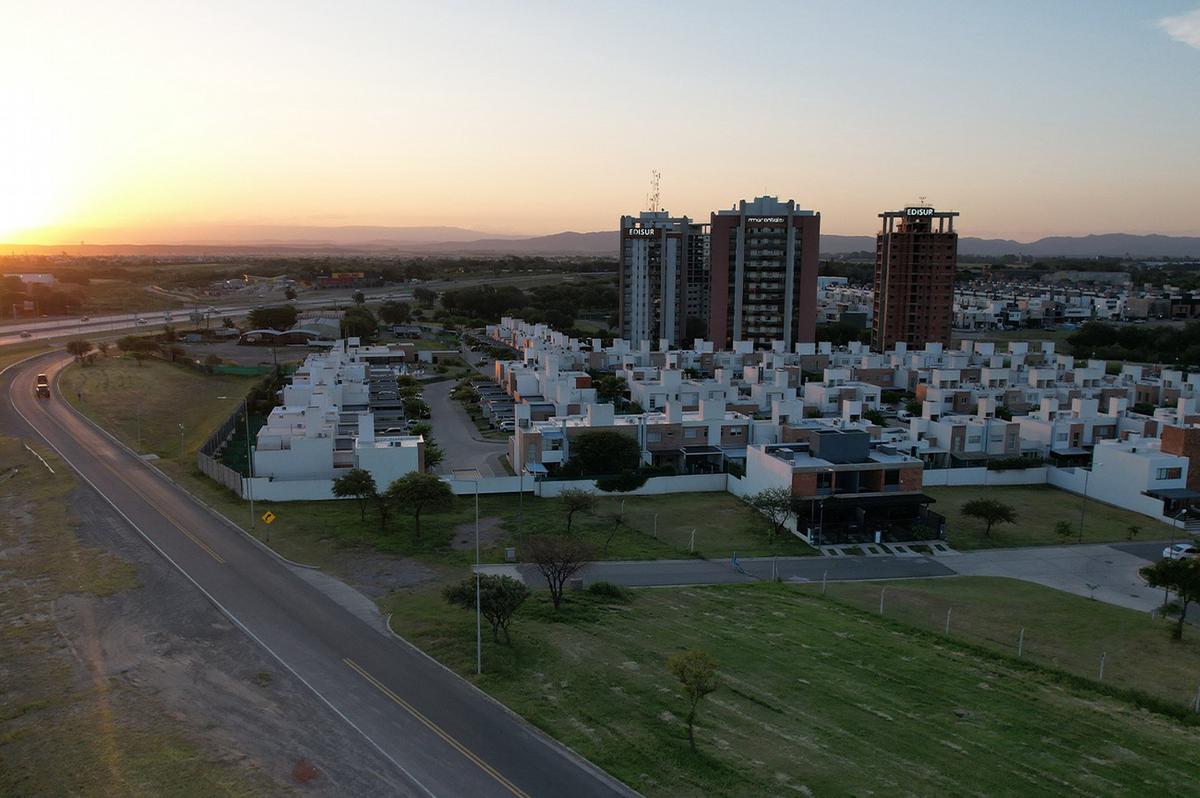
[608,590]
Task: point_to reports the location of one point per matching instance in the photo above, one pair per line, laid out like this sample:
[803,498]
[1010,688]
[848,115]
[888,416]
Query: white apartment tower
[663,291]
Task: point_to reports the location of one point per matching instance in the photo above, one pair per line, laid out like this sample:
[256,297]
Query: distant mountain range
[260,239]
[1114,245]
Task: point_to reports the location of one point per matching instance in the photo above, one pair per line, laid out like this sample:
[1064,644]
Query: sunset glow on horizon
[137,120]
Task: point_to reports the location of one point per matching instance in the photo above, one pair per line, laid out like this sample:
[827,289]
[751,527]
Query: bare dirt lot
[117,677]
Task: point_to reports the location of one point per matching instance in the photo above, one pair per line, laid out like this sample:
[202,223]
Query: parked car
[395,431]
[508,425]
[1181,551]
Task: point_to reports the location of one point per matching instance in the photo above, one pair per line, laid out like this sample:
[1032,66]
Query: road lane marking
[154,505]
[468,753]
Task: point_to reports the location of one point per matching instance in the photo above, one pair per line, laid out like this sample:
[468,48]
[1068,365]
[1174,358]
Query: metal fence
[206,455]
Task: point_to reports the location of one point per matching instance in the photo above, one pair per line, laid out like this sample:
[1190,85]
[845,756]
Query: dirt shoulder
[117,677]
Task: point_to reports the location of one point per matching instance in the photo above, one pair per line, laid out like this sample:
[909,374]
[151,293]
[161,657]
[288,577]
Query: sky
[135,120]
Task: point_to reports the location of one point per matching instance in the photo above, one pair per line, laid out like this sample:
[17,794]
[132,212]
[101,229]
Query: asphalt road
[456,434]
[674,573]
[445,737]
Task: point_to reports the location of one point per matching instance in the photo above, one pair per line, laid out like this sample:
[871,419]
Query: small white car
[1181,551]
[507,425]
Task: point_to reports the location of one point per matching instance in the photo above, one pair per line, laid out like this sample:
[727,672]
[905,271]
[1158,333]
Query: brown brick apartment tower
[764,256]
[915,256]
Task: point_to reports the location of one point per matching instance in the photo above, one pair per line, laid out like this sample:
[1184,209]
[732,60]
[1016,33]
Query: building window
[1170,473]
[891,477]
[691,432]
[653,437]
[824,480]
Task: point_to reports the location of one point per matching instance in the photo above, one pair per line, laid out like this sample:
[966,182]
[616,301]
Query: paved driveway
[1106,572]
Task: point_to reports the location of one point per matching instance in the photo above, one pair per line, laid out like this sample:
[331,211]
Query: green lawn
[315,532]
[1061,630]
[1039,508]
[155,397]
[816,698]
[64,729]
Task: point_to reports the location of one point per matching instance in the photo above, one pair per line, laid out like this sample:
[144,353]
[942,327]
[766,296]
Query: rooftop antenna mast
[654,197]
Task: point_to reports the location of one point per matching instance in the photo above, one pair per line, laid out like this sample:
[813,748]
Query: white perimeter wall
[683,483]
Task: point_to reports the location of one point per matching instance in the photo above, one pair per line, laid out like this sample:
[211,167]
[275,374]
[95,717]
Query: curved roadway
[443,736]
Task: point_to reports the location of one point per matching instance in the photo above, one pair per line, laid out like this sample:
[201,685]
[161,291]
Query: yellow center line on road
[203,546]
[484,766]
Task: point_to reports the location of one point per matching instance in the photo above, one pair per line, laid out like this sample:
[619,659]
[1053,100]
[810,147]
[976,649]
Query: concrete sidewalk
[1106,572]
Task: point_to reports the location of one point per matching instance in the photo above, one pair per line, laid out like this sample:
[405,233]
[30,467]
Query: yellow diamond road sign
[268,517]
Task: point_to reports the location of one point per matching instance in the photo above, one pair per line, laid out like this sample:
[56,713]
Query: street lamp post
[1083,506]
[181,440]
[249,462]
[478,594]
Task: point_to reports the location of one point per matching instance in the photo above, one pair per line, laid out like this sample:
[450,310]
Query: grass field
[1061,630]
[315,532]
[63,732]
[1038,508]
[816,698]
[122,396]
[120,296]
[1058,335]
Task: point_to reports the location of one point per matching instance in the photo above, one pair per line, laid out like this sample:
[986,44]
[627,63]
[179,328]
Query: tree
[141,355]
[557,558]
[1133,530]
[434,454]
[499,599]
[211,362]
[611,388]
[78,348]
[395,312]
[577,500]
[875,417]
[102,348]
[776,504]
[697,672]
[1182,577]
[1064,530]
[990,512]
[424,296]
[289,293]
[357,483]
[417,492]
[601,451]
[360,298]
[359,322]
[279,317]
[913,407]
